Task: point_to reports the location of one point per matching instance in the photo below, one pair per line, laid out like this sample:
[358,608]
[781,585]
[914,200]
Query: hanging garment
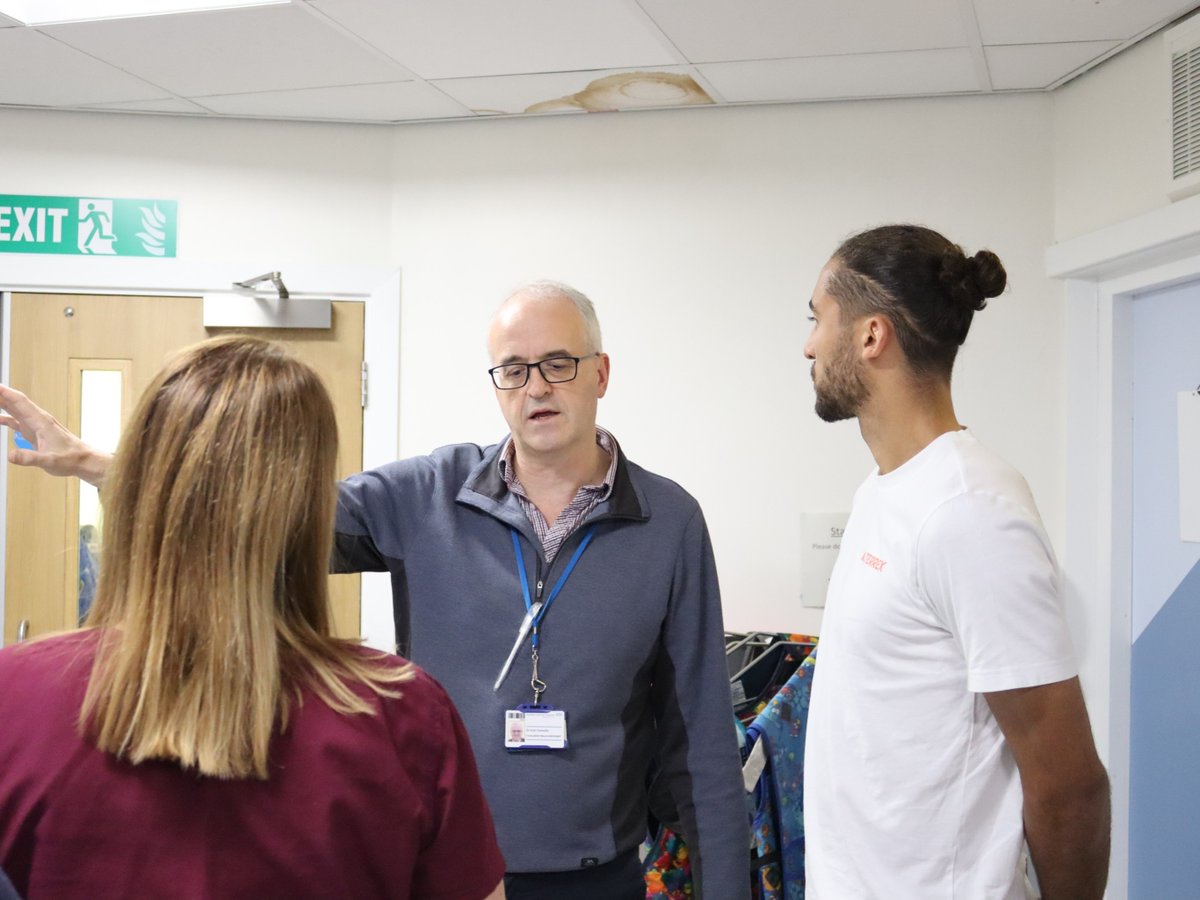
[779,791]
[668,869]
[759,681]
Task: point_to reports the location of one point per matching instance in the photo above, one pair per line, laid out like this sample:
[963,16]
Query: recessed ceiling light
[47,12]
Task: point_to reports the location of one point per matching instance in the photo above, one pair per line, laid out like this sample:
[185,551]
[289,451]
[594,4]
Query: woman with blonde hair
[204,735]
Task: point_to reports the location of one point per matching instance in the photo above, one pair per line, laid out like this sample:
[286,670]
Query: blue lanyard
[587,539]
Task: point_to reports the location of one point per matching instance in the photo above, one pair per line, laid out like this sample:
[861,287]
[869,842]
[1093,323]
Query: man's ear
[876,335]
[603,368]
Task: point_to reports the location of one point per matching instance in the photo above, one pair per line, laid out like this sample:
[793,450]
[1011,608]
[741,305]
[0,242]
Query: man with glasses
[567,599]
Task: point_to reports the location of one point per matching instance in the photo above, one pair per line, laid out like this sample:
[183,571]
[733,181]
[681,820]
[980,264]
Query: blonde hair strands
[212,602]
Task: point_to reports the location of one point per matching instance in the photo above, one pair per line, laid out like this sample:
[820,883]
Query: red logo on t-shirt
[873,561]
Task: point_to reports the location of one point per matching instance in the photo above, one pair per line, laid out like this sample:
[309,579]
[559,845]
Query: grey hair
[545,289]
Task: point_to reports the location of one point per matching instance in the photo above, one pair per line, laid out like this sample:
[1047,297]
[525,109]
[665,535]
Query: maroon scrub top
[386,805]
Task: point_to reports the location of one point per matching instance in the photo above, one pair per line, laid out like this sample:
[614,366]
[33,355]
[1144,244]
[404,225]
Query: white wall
[260,191]
[1112,141]
[699,234]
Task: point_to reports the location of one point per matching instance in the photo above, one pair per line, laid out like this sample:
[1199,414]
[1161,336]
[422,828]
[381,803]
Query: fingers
[58,451]
[35,424]
[15,402]
[10,399]
[19,457]
[22,413]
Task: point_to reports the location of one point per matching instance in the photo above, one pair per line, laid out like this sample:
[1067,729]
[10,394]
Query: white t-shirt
[946,587]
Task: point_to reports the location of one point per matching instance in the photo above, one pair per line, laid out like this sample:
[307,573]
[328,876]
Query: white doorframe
[377,288]
[1104,271]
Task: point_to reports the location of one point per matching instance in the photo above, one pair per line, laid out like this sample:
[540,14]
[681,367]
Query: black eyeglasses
[555,370]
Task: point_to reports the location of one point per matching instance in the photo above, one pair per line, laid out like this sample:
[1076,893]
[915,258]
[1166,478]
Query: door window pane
[100,426]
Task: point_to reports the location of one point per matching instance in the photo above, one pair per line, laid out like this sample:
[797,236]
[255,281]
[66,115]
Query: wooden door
[69,350]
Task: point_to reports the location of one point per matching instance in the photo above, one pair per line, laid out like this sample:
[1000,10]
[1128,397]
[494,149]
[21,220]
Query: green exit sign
[87,226]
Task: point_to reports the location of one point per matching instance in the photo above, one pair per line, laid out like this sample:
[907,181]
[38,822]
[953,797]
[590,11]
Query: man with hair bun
[947,736]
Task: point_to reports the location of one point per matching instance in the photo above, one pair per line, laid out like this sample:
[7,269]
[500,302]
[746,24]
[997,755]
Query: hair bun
[989,274]
[971,280]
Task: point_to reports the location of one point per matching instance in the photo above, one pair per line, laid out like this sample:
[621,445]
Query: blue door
[1164,827]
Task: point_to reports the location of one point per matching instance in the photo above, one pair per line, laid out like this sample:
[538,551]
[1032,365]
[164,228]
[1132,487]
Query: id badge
[535,727]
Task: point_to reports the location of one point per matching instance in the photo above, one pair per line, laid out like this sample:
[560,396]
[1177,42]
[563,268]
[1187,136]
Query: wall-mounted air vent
[1183,45]
[1185,113]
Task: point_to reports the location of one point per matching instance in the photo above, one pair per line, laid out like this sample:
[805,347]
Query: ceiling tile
[1037,66]
[1062,21]
[38,71]
[232,51]
[358,103]
[723,30]
[468,38]
[825,77]
[578,91]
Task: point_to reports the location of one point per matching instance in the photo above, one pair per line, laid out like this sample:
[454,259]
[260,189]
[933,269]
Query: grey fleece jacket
[632,649]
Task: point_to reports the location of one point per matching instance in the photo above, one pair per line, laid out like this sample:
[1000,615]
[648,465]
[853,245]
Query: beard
[842,390]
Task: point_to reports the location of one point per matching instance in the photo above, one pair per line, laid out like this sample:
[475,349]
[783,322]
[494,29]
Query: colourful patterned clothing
[779,795]
[668,870]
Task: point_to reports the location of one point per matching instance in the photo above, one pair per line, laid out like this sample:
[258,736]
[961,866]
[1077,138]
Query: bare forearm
[1069,840]
[93,466]
[79,460]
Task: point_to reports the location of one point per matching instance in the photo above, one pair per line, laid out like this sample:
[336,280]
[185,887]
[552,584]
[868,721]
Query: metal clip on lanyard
[539,686]
[535,611]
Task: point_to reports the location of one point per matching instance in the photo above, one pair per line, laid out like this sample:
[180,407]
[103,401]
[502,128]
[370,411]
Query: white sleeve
[986,567]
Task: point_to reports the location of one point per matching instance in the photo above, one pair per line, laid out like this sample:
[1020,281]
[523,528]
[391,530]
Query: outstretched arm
[1066,809]
[57,450]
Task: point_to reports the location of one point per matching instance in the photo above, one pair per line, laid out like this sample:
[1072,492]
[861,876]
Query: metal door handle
[22,630]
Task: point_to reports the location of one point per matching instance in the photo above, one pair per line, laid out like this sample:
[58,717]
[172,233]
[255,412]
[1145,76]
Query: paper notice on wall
[1189,466]
[820,541]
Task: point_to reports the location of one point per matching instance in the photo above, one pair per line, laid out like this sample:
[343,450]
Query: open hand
[56,450]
